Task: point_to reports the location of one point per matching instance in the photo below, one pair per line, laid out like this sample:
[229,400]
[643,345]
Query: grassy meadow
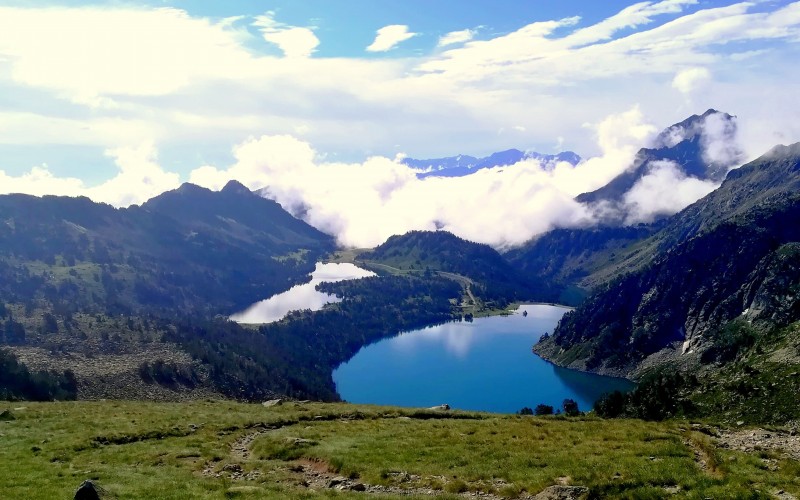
[221,449]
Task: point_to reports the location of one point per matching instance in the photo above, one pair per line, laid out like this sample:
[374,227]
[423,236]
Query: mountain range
[461,165]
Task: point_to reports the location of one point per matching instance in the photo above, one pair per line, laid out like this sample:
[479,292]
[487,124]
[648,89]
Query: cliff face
[732,254]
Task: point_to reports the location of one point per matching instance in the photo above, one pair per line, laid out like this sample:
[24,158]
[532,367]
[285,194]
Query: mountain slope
[187,251]
[701,147]
[565,257]
[578,260]
[236,212]
[494,278]
[732,254]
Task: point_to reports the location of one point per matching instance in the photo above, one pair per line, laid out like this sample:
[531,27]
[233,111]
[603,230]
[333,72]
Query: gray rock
[562,492]
[443,407]
[272,402]
[91,491]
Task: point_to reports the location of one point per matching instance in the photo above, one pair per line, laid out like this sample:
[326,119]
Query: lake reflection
[484,365]
[301,296]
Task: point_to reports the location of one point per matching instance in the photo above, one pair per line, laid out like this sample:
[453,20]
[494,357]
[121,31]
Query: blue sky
[121,100]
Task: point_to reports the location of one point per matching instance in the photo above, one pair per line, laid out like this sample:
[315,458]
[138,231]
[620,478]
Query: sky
[316,101]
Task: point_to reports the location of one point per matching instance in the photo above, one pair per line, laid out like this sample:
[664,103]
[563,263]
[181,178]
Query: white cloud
[90,52]
[664,191]
[139,178]
[721,141]
[455,37]
[388,37]
[39,181]
[365,203]
[294,41]
[690,79]
[547,77]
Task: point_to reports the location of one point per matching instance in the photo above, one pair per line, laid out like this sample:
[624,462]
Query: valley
[205,303]
[453,250]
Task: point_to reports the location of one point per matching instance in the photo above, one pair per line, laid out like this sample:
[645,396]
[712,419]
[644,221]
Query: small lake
[486,365]
[303,296]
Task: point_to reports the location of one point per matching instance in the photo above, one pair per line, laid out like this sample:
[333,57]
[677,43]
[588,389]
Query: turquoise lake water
[486,365]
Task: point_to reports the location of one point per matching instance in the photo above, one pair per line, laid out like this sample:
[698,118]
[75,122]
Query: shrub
[570,407]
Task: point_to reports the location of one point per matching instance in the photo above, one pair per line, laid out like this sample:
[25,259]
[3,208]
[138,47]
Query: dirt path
[317,475]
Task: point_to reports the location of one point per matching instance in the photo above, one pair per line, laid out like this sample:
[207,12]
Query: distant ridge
[461,165]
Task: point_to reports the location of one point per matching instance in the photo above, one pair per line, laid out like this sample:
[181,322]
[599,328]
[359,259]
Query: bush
[570,407]
[610,405]
[657,397]
[543,409]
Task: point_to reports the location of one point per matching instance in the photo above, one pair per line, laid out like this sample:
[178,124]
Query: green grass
[160,450]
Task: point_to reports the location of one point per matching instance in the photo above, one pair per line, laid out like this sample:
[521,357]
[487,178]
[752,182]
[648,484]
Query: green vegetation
[225,449]
[489,281]
[754,380]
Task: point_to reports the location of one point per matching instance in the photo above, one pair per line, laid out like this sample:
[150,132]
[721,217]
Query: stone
[272,402]
[91,491]
[562,492]
[443,407]
[6,416]
[336,481]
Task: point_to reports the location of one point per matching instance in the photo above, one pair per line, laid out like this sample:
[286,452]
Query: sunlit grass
[152,450]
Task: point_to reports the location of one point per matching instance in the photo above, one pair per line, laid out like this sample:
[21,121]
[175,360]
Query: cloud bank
[365,203]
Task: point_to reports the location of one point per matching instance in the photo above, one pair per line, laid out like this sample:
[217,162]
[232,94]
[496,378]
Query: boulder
[443,407]
[272,402]
[6,415]
[91,491]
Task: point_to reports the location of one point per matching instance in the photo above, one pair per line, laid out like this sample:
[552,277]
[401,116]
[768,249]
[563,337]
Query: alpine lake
[483,365]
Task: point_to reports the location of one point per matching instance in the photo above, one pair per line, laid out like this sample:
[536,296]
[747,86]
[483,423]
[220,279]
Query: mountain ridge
[706,268]
[685,147]
[461,165]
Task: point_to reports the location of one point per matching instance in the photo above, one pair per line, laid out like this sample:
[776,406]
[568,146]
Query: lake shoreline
[480,365]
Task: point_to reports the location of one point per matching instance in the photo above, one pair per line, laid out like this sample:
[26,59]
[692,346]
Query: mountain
[568,257]
[186,251]
[577,260]
[702,147]
[489,275]
[237,214]
[461,165]
[718,276]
